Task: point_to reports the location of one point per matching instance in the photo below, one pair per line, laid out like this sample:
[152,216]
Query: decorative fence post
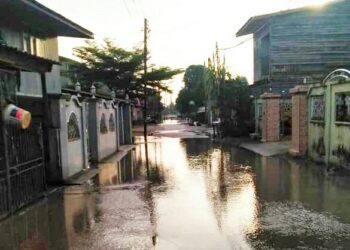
[127,123]
[121,124]
[299,121]
[271,117]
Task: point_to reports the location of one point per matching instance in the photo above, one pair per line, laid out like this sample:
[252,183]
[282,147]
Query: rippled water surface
[210,197]
[201,196]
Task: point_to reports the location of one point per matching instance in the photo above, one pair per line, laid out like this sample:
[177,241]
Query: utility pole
[145,52]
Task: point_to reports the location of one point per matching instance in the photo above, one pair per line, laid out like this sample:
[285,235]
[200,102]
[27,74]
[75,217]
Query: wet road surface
[201,195]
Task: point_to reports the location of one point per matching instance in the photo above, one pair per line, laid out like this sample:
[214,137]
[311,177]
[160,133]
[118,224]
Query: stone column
[271,117]
[299,121]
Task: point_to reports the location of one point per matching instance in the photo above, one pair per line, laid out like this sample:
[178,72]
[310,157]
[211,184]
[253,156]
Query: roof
[38,19]
[64,59]
[257,22]
[12,58]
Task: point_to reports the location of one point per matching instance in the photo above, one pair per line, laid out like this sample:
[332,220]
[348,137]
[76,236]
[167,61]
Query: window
[264,50]
[317,108]
[73,128]
[103,125]
[30,44]
[111,123]
[342,103]
[27,44]
[35,48]
[8,85]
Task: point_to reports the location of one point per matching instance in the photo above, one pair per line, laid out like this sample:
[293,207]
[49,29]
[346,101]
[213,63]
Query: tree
[193,91]
[155,106]
[234,106]
[113,68]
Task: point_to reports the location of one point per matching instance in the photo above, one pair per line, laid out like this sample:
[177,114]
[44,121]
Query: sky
[183,32]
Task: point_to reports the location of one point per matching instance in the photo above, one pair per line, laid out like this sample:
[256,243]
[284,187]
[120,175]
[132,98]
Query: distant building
[67,71]
[298,46]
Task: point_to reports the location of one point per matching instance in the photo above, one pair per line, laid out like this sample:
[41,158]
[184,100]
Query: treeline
[211,93]
[112,69]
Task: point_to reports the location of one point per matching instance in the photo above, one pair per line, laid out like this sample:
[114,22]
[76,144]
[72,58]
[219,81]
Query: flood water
[201,196]
[212,197]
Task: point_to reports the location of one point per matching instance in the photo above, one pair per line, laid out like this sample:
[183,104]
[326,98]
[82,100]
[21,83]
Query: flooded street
[212,197]
[201,195]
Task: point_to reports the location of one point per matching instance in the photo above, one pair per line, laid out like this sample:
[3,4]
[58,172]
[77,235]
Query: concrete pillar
[84,133]
[271,117]
[299,121]
[93,128]
[127,124]
[121,124]
[117,126]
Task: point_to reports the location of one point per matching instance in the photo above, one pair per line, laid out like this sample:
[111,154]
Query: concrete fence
[73,139]
[88,129]
[321,120]
[329,119]
[102,129]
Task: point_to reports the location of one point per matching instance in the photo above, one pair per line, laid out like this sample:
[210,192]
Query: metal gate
[22,166]
[286,116]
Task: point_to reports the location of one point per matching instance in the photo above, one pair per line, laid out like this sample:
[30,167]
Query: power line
[138,9]
[128,9]
[239,44]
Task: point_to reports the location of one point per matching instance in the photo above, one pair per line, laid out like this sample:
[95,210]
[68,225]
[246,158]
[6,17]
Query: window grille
[342,101]
[317,108]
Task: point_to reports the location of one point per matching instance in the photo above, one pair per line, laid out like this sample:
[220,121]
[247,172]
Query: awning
[35,18]
[12,58]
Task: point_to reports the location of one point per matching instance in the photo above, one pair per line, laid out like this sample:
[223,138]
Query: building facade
[29,73]
[298,46]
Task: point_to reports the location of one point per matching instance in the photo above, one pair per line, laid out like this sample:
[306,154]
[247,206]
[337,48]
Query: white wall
[107,143]
[72,152]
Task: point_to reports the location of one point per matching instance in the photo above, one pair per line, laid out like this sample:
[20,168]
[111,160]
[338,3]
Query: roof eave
[80,31]
[242,31]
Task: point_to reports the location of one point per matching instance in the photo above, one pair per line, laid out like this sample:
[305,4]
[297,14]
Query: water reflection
[65,220]
[208,203]
[212,197]
[118,172]
[32,229]
[200,196]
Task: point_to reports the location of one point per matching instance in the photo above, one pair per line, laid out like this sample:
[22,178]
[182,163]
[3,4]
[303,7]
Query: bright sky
[183,32]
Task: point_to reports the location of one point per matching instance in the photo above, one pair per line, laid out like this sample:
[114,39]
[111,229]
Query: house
[66,71]
[298,46]
[29,74]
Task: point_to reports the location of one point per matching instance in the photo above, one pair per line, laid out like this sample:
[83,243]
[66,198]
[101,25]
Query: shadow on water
[212,197]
